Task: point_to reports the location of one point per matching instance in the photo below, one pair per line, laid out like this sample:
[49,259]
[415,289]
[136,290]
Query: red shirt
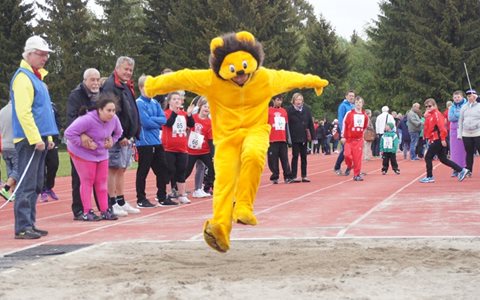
[201,132]
[174,139]
[354,124]
[278,119]
[430,132]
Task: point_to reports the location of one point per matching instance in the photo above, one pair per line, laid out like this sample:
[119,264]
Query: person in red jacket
[435,133]
[174,140]
[354,124]
[278,149]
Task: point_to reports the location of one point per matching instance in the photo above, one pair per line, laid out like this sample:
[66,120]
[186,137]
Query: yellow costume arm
[196,81]
[284,81]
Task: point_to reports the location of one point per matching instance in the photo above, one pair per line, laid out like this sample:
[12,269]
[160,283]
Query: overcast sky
[347,15]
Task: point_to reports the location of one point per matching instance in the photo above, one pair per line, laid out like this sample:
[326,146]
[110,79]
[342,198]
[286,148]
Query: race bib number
[179,128]
[387,142]
[358,120]
[279,123]
[195,140]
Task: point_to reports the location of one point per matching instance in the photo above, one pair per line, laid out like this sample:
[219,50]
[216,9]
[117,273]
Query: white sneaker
[205,194]
[130,209]
[118,210]
[183,200]
[197,193]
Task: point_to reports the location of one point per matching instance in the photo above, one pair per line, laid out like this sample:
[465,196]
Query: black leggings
[471,145]
[436,148]
[207,160]
[177,165]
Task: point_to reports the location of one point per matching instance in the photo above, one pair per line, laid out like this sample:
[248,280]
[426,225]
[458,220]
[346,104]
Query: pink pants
[353,152]
[92,175]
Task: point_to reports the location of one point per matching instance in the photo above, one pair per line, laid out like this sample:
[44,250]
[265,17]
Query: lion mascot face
[235,54]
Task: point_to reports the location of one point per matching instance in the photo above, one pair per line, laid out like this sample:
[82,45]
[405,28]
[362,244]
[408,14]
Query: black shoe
[78,216]
[305,179]
[347,171]
[397,172]
[357,178]
[275,181]
[145,204]
[168,202]
[40,232]
[288,180]
[27,234]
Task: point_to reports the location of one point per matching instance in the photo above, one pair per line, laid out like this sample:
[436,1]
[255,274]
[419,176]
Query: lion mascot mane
[238,90]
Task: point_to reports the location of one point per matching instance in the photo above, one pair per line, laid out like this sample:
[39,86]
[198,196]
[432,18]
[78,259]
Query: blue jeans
[413,143]
[27,191]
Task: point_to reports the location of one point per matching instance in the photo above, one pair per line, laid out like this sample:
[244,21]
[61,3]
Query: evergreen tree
[326,58]
[14,31]
[421,47]
[68,29]
[121,34]
[188,27]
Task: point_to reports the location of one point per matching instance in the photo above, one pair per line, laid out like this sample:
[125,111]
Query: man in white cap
[33,125]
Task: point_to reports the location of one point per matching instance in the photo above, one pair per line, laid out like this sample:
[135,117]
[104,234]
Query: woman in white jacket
[469,127]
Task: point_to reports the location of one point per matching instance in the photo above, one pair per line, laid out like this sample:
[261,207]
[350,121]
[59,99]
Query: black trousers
[437,149]
[51,168]
[389,158]
[208,161]
[299,149]
[316,147]
[471,144]
[77,206]
[151,157]
[276,151]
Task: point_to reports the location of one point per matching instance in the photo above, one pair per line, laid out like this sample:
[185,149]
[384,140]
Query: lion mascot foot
[244,216]
[216,236]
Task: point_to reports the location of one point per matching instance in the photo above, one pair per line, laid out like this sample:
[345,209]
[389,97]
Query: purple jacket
[91,125]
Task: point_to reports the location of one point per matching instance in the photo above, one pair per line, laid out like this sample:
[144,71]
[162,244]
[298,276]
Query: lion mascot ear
[235,54]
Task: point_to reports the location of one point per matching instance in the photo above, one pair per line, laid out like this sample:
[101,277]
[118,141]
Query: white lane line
[382,203]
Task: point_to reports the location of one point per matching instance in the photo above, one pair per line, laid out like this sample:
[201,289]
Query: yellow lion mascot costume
[238,90]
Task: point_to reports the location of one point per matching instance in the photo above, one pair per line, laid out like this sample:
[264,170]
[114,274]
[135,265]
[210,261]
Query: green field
[63,169]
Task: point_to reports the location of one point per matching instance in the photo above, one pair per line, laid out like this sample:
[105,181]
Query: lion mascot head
[235,54]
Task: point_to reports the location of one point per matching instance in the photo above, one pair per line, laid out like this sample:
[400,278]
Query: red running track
[331,206]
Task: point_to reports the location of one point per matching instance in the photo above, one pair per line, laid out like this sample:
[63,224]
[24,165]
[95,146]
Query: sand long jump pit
[391,268]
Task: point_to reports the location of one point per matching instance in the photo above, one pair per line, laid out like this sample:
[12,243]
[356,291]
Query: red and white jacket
[354,124]
[430,132]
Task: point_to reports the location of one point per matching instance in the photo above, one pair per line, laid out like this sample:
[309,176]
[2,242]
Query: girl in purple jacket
[99,129]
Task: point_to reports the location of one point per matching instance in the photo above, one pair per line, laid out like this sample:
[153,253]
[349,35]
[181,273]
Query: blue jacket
[343,108]
[152,118]
[454,111]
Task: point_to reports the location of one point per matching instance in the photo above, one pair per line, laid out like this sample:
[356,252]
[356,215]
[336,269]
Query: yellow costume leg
[254,151]
[216,231]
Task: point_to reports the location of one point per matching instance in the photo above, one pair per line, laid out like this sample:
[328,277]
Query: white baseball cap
[37,43]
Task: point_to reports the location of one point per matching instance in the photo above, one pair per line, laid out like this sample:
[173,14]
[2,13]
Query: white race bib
[279,123]
[387,142]
[195,140]
[358,120]
[179,128]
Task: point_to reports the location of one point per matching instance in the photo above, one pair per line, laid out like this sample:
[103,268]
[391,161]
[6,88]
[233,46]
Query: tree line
[414,50]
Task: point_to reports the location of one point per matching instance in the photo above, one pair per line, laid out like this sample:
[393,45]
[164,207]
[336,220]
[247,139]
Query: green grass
[64,168]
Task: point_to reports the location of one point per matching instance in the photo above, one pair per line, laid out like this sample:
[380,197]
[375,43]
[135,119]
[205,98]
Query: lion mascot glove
[238,90]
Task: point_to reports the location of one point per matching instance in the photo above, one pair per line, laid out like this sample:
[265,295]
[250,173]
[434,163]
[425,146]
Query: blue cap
[471,91]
